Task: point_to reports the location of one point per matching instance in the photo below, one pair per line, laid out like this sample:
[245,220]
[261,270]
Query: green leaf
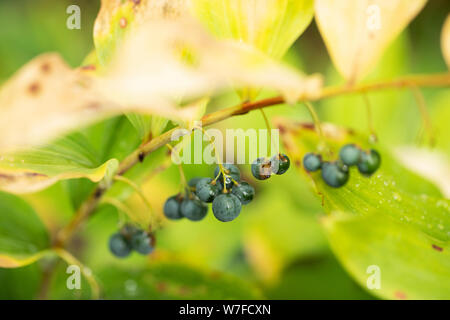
[402,194]
[147,125]
[23,237]
[411,264]
[168,280]
[37,168]
[29,277]
[269,25]
[412,214]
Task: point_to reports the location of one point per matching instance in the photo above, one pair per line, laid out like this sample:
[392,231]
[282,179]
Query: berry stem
[121,208]
[318,126]
[420,100]
[219,162]
[369,116]
[269,129]
[141,195]
[184,184]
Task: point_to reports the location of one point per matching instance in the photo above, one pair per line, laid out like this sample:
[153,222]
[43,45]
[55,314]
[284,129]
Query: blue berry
[193,182]
[193,209]
[244,192]
[119,245]
[280,163]
[226,207]
[335,174]
[141,242]
[261,169]
[369,163]
[207,189]
[172,208]
[350,154]
[312,162]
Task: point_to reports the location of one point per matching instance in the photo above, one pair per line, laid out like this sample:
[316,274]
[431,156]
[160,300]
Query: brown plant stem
[89,206]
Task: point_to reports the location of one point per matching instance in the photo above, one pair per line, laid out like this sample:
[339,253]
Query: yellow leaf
[160,68]
[159,64]
[268,25]
[117,17]
[445,41]
[44,99]
[7,261]
[356,32]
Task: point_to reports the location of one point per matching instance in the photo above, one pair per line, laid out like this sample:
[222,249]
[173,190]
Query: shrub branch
[90,205]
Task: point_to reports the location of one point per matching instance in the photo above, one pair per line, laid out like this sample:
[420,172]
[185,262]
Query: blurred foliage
[277,248]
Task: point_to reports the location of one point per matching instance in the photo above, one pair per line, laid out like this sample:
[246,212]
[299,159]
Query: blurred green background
[276,249]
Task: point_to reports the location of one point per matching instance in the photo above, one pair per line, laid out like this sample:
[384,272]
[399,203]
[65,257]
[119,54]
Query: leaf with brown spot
[38,104]
[391,219]
[117,17]
[37,168]
[409,267]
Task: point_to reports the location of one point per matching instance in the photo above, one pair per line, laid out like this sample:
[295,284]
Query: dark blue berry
[312,162]
[193,209]
[141,242]
[172,208]
[280,163]
[335,174]
[369,163]
[226,207]
[193,182]
[207,189]
[119,246]
[244,192]
[261,169]
[350,154]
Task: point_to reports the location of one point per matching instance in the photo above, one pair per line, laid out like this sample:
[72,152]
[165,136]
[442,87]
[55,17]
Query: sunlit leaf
[356,32]
[411,265]
[117,17]
[432,165]
[37,168]
[159,61]
[23,237]
[46,98]
[269,25]
[445,41]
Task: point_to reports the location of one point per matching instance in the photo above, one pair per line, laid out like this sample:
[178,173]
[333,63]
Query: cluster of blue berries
[336,173]
[225,191]
[130,238]
[263,168]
